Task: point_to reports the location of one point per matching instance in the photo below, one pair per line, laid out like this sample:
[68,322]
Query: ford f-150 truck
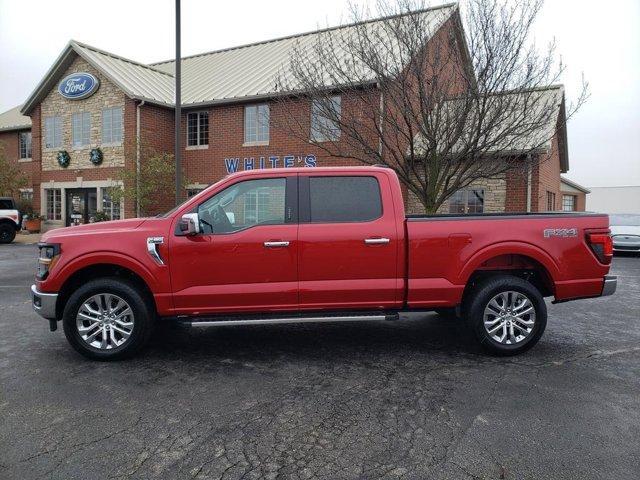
[315,245]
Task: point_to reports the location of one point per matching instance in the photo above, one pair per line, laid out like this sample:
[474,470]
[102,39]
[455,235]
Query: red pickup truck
[315,245]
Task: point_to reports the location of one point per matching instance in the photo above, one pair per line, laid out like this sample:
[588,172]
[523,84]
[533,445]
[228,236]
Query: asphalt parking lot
[412,399]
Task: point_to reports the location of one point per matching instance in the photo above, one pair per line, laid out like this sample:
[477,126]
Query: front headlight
[48,256]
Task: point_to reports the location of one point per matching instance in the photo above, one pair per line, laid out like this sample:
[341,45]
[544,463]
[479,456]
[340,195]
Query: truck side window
[244,205]
[344,199]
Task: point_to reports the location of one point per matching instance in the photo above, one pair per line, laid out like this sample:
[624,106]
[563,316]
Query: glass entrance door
[82,205]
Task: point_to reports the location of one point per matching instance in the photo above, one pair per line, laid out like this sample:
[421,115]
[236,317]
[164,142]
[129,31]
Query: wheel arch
[512,258]
[102,270]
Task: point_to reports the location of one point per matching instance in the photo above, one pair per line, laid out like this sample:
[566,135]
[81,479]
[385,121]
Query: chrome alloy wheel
[105,321]
[509,317]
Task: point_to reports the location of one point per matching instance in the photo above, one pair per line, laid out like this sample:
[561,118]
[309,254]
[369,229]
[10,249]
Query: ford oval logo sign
[77,86]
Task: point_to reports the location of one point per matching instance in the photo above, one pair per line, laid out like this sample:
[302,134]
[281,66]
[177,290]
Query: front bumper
[610,285]
[44,303]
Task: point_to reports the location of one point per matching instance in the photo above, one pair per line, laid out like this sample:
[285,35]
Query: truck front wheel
[508,315]
[107,319]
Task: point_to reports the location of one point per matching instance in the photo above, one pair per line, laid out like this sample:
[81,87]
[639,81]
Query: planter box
[33,226]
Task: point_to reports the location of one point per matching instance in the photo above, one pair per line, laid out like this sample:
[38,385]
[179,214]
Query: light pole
[178,116]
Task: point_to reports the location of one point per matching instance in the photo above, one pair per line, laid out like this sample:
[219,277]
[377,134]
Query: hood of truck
[94,228]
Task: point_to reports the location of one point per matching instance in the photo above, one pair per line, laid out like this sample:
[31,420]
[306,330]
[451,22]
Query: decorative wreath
[95,156]
[63,158]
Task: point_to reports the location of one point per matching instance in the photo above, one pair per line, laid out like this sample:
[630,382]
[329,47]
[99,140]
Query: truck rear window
[344,199]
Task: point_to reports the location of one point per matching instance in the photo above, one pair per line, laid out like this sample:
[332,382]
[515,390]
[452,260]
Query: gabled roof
[545,104]
[577,186]
[221,76]
[14,120]
[137,80]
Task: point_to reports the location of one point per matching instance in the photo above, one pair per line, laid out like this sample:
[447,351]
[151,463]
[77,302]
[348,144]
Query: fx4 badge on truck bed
[560,232]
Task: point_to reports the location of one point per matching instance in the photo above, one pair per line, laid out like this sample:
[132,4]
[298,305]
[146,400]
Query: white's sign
[233,164]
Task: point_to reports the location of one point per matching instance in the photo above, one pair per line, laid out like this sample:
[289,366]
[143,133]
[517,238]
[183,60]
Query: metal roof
[546,105]
[14,120]
[222,76]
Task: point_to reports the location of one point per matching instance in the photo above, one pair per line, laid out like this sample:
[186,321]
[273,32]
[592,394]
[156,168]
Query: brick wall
[546,178]
[10,144]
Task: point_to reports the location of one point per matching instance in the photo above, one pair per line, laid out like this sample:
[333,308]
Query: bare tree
[443,105]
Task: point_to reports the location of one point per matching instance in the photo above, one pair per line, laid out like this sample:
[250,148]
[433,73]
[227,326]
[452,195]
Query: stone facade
[54,104]
[495,194]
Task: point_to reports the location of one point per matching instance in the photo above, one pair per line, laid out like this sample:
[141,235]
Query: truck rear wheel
[507,314]
[7,232]
[108,319]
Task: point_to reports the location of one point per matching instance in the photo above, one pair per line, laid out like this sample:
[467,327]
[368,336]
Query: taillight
[602,246]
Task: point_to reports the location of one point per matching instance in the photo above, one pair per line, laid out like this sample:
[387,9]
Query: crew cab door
[348,242]
[245,256]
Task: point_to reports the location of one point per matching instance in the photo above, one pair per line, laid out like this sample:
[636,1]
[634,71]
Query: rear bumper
[610,285]
[44,304]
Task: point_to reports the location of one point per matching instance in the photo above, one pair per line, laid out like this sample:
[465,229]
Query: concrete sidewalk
[27,238]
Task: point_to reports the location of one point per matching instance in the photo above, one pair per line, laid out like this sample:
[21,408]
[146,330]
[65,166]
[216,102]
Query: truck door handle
[376,241]
[276,244]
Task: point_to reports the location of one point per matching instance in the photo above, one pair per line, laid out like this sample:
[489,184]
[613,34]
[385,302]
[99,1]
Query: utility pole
[178,115]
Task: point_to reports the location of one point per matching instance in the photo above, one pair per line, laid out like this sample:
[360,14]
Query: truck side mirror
[190,224]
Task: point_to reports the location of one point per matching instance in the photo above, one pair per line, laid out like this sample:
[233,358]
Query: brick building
[91,99]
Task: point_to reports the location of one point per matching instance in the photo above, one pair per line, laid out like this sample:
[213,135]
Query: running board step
[216,322]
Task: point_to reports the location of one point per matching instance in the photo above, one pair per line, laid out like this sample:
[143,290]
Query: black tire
[141,307]
[485,292]
[7,232]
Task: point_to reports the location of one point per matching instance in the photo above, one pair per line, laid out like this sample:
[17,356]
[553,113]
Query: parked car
[625,232]
[314,245]
[10,220]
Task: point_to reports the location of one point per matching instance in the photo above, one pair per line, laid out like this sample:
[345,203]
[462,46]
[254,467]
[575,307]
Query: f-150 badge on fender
[560,232]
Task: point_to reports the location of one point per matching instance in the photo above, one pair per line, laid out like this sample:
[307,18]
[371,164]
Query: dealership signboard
[234,164]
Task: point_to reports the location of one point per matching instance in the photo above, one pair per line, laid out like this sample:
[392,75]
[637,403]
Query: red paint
[426,264]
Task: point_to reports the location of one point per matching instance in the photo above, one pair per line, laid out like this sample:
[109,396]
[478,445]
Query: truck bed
[445,250]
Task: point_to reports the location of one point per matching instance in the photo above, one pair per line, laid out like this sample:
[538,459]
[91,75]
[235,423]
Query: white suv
[9,220]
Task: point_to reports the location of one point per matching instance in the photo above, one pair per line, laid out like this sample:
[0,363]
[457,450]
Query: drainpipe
[380,120]
[529,183]
[138,157]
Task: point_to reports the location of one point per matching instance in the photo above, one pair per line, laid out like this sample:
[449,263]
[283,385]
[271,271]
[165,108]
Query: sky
[598,39]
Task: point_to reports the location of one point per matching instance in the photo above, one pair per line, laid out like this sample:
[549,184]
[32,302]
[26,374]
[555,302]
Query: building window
[257,206]
[54,203]
[52,132]
[81,129]
[467,201]
[197,129]
[112,125]
[325,114]
[568,203]
[109,207]
[25,144]
[256,124]
[26,194]
[551,201]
